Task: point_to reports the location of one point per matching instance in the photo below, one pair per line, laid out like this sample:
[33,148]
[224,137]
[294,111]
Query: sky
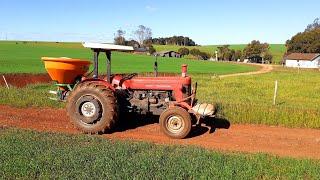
[207,22]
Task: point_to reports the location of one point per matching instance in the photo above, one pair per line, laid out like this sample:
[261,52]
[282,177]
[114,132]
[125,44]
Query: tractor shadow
[210,125]
[129,121]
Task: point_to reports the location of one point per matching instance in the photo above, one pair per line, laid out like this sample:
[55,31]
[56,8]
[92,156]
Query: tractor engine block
[146,102]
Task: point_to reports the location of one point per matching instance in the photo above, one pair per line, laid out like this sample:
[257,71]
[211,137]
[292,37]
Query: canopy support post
[108,54]
[96,62]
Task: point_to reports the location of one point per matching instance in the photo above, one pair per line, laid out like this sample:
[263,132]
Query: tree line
[174,40]
[142,37]
[194,52]
[225,53]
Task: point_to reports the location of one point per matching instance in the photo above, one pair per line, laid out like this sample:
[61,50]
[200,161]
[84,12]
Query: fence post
[275,92]
[5,81]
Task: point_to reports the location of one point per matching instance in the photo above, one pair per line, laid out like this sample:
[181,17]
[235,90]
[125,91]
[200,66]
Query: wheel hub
[175,124]
[88,109]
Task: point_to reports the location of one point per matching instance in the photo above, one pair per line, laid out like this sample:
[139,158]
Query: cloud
[150,8]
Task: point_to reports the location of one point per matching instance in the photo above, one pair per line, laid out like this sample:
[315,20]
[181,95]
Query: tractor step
[55,99]
[53,92]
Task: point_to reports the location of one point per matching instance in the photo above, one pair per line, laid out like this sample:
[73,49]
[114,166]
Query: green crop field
[33,155]
[20,57]
[249,99]
[277,50]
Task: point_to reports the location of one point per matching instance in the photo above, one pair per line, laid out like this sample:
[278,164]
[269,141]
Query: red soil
[298,143]
[22,80]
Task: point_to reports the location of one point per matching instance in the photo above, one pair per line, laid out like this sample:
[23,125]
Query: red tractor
[94,104]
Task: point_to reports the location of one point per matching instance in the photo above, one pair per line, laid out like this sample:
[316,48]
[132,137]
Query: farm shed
[303,60]
[256,59]
[169,54]
[141,50]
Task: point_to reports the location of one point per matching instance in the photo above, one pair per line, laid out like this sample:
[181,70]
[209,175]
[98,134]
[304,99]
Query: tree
[132,43]
[267,56]
[174,40]
[255,48]
[314,25]
[151,50]
[199,54]
[225,53]
[305,42]
[119,37]
[142,33]
[203,55]
[183,51]
[195,52]
[237,55]
[147,42]
[228,55]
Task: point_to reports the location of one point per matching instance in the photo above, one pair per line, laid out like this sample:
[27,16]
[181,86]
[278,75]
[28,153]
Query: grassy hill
[277,50]
[25,57]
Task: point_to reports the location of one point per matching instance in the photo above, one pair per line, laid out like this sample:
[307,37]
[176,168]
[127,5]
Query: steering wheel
[129,76]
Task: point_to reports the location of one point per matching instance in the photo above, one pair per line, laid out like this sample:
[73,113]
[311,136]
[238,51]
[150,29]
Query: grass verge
[36,95]
[249,99]
[32,155]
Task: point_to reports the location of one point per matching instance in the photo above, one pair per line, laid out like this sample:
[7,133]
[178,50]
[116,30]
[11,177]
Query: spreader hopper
[65,70]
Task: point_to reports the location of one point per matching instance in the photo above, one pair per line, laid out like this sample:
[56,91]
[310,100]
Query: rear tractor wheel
[175,122]
[92,108]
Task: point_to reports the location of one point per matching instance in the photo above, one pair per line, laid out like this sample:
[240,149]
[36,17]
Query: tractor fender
[103,82]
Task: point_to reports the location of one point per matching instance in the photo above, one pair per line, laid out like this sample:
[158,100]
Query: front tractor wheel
[175,122]
[92,108]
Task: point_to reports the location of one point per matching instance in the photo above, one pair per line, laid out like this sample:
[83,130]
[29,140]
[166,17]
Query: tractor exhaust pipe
[184,70]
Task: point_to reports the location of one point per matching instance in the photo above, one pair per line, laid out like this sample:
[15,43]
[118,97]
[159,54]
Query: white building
[303,60]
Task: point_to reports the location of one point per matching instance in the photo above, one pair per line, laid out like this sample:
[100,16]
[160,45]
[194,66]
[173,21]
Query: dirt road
[244,138]
[264,68]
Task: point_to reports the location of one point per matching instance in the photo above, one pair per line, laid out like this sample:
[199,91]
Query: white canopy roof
[107,46]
